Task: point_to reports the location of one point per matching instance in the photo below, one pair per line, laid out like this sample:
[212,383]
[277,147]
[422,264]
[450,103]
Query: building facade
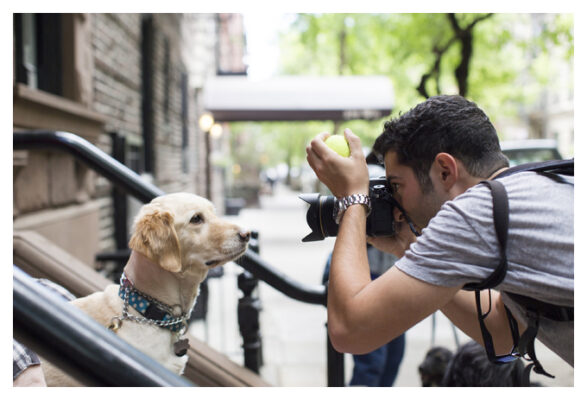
[130,84]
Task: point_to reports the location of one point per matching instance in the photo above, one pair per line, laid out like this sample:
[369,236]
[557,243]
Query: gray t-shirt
[460,246]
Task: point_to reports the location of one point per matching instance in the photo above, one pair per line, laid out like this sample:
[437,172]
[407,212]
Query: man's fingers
[317,145]
[323,136]
[312,158]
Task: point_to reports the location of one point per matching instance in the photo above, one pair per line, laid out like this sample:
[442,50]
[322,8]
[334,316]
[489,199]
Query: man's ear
[155,237]
[445,170]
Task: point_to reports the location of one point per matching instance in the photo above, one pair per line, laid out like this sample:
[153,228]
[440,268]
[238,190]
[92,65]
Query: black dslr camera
[380,221]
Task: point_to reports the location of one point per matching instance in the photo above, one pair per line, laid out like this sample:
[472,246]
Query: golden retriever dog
[176,239]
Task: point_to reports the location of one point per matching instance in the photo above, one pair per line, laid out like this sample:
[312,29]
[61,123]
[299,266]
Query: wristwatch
[342,203]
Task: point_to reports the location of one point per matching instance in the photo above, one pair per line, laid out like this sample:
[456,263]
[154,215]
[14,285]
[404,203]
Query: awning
[298,98]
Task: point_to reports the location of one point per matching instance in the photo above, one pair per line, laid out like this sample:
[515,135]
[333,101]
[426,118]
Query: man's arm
[462,311]
[363,314]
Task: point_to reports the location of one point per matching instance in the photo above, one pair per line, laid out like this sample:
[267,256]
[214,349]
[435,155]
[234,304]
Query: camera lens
[319,216]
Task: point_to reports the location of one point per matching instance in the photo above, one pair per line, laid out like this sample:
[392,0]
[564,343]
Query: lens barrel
[319,216]
[380,221]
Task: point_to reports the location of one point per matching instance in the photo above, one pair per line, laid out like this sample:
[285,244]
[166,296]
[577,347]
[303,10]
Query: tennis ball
[339,144]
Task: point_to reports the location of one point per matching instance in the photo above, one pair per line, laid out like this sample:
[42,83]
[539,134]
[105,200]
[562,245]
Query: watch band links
[344,203]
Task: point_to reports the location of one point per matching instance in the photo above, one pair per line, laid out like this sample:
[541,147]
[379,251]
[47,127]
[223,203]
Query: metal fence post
[335,365]
[248,311]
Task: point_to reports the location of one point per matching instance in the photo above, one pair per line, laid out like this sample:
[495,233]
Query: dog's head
[434,365]
[471,367]
[181,231]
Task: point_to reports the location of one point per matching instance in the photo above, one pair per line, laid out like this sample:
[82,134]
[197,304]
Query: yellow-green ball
[339,144]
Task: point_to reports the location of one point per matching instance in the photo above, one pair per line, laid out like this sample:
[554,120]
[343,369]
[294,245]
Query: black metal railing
[71,340]
[130,182]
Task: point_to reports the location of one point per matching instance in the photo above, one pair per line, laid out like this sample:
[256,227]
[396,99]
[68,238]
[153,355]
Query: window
[39,51]
[184,123]
[166,78]
[53,75]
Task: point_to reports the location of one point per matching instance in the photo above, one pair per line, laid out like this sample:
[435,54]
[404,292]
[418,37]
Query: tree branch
[435,70]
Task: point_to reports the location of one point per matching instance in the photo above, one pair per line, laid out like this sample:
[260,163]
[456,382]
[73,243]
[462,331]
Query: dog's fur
[176,239]
[433,367]
[471,367]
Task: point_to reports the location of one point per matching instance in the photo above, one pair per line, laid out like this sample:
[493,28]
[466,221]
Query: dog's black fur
[434,366]
[471,367]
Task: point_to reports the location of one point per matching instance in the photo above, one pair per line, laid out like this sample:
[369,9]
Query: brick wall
[116,80]
[50,185]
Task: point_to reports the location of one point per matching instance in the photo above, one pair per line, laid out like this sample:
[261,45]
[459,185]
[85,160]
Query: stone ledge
[35,109]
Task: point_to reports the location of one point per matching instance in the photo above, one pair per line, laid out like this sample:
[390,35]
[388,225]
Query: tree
[465,37]
[480,56]
[500,61]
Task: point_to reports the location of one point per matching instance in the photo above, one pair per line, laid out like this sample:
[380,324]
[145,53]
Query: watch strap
[343,203]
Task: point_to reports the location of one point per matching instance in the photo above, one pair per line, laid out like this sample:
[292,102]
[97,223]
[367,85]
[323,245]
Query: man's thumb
[354,142]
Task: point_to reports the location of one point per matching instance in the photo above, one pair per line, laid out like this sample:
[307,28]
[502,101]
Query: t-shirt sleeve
[459,244]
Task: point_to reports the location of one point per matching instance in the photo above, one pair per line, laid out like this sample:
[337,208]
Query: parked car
[530,150]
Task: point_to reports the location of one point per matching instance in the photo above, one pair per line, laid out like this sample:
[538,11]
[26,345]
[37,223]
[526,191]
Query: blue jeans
[380,367]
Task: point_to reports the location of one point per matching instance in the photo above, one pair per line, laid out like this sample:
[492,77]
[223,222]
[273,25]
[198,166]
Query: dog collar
[153,311]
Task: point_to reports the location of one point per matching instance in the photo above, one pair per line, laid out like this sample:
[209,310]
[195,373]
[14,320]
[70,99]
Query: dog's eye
[197,219]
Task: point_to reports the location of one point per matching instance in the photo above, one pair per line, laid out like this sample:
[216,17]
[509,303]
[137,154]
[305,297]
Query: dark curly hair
[470,367]
[446,123]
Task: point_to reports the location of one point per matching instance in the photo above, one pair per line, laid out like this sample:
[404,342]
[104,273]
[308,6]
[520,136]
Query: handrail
[88,352]
[130,182]
[98,160]
[253,263]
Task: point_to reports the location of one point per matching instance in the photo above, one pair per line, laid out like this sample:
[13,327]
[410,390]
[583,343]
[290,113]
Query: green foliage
[512,62]
[507,49]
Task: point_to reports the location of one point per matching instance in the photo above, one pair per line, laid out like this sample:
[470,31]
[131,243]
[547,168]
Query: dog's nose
[244,236]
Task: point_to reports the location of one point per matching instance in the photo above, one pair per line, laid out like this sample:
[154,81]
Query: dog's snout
[244,236]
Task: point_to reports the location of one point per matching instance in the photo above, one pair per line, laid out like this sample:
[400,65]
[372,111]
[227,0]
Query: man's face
[406,189]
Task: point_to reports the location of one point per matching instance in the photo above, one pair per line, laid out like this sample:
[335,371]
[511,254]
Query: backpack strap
[534,308]
[563,167]
[501,220]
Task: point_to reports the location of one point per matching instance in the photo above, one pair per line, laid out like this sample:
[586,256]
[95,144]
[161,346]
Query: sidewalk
[294,333]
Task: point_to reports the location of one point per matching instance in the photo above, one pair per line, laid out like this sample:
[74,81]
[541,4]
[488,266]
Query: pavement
[294,333]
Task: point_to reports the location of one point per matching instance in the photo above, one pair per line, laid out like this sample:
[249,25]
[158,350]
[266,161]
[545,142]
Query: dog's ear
[154,236]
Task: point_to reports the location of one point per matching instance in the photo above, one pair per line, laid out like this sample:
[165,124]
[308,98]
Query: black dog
[471,367]
[434,366]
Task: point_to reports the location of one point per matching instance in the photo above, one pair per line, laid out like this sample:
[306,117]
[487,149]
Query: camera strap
[389,198]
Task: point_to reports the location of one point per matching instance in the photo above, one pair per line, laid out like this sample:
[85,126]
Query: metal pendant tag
[180,348]
[115,324]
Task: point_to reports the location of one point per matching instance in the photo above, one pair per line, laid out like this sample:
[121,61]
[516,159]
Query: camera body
[380,222]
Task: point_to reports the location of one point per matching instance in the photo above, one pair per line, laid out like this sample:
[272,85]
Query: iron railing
[131,183]
[77,344]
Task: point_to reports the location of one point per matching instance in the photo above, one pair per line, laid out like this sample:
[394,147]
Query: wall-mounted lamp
[206,121]
[216,131]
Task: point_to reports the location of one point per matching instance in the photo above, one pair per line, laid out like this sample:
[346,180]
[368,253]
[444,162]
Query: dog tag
[181,347]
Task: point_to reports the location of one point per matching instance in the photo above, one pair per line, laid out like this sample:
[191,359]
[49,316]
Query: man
[434,157]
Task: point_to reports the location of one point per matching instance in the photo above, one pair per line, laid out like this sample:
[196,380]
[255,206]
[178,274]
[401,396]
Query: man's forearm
[349,270]
[462,312]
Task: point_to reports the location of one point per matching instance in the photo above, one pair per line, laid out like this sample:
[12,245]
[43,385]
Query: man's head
[436,151]
[443,124]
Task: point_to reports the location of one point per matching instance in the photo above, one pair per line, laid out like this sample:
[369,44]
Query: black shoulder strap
[534,308]
[501,220]
[563,167]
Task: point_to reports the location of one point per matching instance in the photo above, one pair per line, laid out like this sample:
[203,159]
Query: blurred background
[223,105]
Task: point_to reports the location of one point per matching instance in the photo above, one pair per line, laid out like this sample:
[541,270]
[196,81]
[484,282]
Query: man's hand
[397,244]
[343,176]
